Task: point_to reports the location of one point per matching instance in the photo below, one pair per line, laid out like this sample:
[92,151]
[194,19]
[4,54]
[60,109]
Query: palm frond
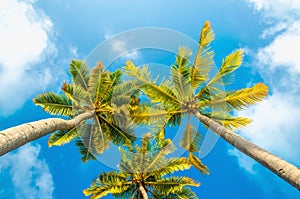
[76,94]
[224,75]
[60,138]
[185,193]
[119,136]
[85,153]
[172,165]
[162,93]
[180,74]
[55,104]
[196,162]
[228,121]
[191,138]
[204,57]
[241,98]
[80,73]
[107,183]
[172,184]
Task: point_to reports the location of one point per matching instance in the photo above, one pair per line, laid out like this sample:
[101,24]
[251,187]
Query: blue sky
[39,38]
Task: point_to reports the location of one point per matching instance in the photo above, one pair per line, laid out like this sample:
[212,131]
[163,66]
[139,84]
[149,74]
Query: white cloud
[30,175]
[276,119]
[25,35]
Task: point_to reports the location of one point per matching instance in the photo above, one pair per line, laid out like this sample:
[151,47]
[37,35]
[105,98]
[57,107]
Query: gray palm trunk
[280,167]
[15,137]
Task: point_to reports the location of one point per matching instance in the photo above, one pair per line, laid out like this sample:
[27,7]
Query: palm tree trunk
[280,167]
[15,137]
[143,191]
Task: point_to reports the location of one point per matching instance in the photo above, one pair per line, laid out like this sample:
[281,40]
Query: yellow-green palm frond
[185,193]
[207,34]
[120,135]
[191,138]
[172,184]
[162,93]
[55,104]
[240,99]
[76,94]
[94,139]
[224,75]
[196,162]
[172,165]
[148,114]
[85,153]
[204,57]
[157,159]
[107,183]
[126,164]
[228,121]
[60,138]
[229,65]
[80,73]
[180,74]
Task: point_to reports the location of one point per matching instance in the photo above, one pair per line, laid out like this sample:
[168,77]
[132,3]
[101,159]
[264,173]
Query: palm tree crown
[89,91]
[143,170]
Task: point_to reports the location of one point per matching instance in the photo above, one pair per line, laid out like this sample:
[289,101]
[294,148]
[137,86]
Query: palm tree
[145,170]
[192,92]
[87,98]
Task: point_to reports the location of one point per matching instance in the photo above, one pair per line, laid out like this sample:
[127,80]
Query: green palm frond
[224,75]
[76,94]
[228,121]
[162,93]
[85,153]
[204,57]
[241,98]
[107,183]
[158,159]
[55,104]
[80,73]
[180,74]
[98,79]
[207,35]
[191,138]
[172,165]
[172,184]
[196,162]
[60,138]
[119,135]
[185,193]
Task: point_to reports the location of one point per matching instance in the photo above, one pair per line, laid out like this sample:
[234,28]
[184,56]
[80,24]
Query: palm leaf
[162,93]
[172,165]
[60,138]
[76,94]
[241,98]
[119,136]
[85,153]
[55,104]
[180,74]
[107,183]
[196,162]
[224,75]
[80,73]
[228,121]
[191,138]
[204,57]
[172,184]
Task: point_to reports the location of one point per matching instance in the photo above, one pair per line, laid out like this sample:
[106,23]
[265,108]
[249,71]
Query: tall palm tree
[190,91]
[145,170]
[87,98]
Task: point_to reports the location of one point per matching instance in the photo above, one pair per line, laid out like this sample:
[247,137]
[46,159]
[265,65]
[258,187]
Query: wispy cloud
[276,120]
[25,33]
[29,173]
